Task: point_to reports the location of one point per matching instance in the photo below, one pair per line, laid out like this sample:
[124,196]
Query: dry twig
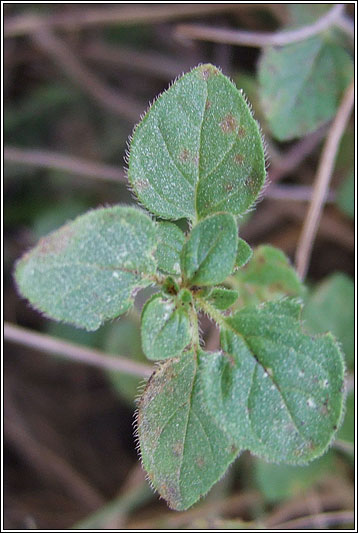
[113,101]
[124,15]
[73,165]
[73,352]
[259,39]
[322,180]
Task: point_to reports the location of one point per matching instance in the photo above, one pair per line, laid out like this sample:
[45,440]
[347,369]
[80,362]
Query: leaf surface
[268,276]
[165,328]
[330,307]
[209,254]
[198,149]
[276,390]
[183,450]
[301,85]
[221,298]
[89,270]
[171,241]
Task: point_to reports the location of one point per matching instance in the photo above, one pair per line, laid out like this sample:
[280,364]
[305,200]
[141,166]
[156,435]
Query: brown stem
[323,176]
[259,39]
[74,352]
[74,165]
[113,101]
[134,14]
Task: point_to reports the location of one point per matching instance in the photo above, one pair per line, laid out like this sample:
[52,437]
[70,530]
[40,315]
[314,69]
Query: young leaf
[330,307]
[198,150]
[301,85]
[165,329]
[222,298]
[244,253]
[267,276]
[171,241]
[209,254]
[277,391]
[89,270]
[183,450]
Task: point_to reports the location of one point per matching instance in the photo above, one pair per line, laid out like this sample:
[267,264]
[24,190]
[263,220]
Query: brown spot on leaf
[200,461]
[241,132]
[229,187]
[184,155]
[207,71]
[207,104]
[239,159]
[229,123]
[178,449]
[170,494]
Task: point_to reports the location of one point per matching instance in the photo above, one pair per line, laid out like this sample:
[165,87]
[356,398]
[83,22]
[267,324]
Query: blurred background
[77,77]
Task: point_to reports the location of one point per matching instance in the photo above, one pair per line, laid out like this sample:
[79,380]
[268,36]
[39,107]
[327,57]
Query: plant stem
[74,352]
[195,326]
[211,311]
[323,176]
[74,165]
[259,39]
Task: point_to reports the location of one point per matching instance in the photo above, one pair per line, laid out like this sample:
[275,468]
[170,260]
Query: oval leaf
[209,254]
[183,450]
[165,329]
[89,270]
[301,85]
[198,149]
[277,391]
[222,298]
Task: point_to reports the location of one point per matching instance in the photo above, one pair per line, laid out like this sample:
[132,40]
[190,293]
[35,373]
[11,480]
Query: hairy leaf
[198,149]
[221,298]
[277,391]
[330,307]
[267,276]
[301,85]
[89,270]
[209,254]
[165,328]
[183,450]
[171,241]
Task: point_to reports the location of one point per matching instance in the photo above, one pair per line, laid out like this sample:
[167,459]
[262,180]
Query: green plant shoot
[272,388]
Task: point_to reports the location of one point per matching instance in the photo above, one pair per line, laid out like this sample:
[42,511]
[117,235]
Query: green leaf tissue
[272,388]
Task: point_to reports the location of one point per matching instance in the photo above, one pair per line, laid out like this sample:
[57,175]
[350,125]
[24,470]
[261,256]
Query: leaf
[267,276]
[277,391]
[123,338]
[198,150]
[244,253]
[301,85]
[165,328]
[222,298]
[345,196]
[281,482]
[171,241]
[183,450]
[330,307]
[209,254]
[89,270]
